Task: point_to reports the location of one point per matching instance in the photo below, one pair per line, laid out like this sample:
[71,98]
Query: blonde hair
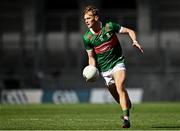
[92,9]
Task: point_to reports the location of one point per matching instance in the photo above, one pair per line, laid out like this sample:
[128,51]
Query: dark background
[41,44]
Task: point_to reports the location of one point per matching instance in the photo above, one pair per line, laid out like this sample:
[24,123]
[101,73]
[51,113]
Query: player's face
[90,19]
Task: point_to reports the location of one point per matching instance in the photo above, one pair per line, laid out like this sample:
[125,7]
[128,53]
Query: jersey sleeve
[114,26]
[87,44]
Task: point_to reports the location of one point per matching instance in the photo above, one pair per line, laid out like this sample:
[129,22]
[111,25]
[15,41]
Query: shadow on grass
[167,127]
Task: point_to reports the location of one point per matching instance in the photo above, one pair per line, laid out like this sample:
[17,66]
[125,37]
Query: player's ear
[96,17]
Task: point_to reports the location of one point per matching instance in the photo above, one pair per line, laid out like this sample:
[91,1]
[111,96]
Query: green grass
[147,116]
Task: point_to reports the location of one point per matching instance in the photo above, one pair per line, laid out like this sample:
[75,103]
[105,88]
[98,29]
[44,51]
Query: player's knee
[121,88]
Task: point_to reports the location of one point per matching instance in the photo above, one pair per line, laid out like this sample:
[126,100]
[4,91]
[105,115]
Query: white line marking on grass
[29,119]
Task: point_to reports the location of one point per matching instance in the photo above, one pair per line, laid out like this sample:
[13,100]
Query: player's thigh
[119,77]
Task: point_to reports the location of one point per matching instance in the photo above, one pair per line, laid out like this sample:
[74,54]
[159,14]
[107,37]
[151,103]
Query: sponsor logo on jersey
[108,45]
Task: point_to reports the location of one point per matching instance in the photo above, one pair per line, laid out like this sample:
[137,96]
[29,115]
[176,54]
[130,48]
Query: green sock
[126,112]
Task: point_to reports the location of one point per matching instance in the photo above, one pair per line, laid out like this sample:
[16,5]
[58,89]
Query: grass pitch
[147,116]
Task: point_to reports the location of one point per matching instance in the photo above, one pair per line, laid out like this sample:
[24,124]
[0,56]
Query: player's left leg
[119,77]
[112,89]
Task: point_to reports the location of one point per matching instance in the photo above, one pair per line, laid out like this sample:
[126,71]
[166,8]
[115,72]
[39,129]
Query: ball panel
[90,73]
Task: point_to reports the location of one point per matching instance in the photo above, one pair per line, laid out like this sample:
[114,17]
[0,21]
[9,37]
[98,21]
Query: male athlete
[104,51]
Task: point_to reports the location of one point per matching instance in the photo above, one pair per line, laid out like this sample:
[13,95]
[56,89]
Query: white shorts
[108,75]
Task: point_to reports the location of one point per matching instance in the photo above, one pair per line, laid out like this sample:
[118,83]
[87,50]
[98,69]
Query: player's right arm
[91,59]
[89,50]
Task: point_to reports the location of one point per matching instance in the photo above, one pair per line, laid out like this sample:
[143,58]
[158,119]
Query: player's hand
[137,45]
[89,80]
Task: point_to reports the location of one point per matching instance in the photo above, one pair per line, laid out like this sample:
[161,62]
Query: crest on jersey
[89,37]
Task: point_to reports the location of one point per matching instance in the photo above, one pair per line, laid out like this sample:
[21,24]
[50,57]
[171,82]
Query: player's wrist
[134,42]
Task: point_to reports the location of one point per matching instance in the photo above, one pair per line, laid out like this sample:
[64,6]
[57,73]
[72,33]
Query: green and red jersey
[106,46]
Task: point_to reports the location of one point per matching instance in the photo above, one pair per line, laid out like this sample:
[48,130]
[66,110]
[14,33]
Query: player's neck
[97,28]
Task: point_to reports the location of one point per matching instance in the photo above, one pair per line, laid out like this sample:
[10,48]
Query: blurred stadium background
[42,54]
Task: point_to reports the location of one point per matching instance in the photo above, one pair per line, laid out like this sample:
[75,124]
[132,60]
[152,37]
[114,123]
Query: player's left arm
[132,35]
